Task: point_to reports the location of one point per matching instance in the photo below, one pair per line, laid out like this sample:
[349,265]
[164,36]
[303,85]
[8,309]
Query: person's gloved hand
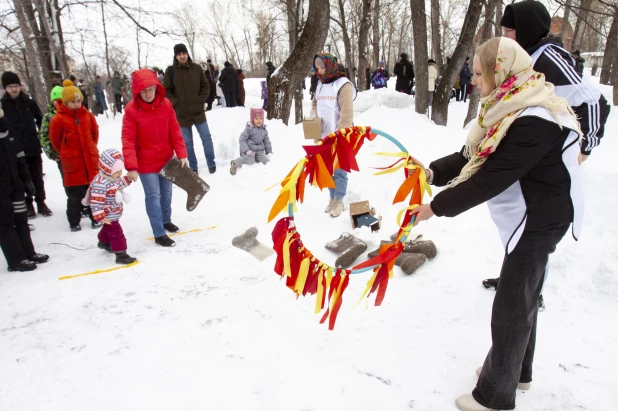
[30,188]
[250,153]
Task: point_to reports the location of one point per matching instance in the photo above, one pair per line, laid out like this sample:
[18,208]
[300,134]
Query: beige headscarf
[519,87]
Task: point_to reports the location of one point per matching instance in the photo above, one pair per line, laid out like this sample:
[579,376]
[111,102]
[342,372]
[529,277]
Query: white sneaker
[520,386]
[337,209]
[329,207]
[467,402]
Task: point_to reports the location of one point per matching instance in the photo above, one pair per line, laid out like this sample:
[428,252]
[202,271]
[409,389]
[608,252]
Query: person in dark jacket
[229,84]
[367,76]
[405,74]
[212,94]
[526,166]
[15,180]
[528,23]
[118,86]
[579,63]
[100,103]
[270,69]
[187,88]
[241,88]
[465,76]
[383,72]
[23,118]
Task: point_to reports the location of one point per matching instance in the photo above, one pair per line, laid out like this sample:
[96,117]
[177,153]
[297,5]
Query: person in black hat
[528,23]
[23,118]
[465,78]
[228,79]
[404,70]
[579,62]
[187,88]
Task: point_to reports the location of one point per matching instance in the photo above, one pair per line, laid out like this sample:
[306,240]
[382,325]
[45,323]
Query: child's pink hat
[118,165]
[256,112]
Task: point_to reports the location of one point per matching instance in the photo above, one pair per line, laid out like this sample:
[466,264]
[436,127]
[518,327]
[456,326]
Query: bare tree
[376,34]
[610,57]
[363,35]
[436,42]
[419,28]
[486,33]
[345,36]
[296,65]
[442,95]
[188,24]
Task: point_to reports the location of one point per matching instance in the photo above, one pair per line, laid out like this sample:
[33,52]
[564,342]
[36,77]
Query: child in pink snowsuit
[105,198]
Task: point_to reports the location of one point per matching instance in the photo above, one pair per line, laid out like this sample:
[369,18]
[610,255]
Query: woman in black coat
[228,79]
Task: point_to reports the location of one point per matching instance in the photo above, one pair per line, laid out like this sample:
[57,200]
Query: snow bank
[382,97]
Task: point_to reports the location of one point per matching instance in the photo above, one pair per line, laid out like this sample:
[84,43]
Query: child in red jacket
[74,134]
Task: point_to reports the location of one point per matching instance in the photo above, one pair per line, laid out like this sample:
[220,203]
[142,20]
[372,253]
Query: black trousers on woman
[514,317]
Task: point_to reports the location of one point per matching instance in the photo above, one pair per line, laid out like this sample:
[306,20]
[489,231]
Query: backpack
[378,80]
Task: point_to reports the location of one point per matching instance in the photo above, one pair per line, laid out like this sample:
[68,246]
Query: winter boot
[96,224]
[85,212]
[337,209]
[105,246]
[171,227]
[187,180]
[31,227]
[467,402]
[31,212]
[212,170]
[491,283]
[246,241]
[39,258]
[330,205]
[124,258]
[76,227]
[521,386]
[43,209]
[411,262]
[341,244]
[233,168]
[427,248]
[25,265]
[165,241]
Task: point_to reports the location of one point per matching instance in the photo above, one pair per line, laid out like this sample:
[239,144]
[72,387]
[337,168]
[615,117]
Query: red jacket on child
[74,135]
[150,132]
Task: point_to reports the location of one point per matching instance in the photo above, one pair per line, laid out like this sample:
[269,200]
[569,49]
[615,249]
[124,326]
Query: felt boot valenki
[349,249]
[186,179]
[248,242]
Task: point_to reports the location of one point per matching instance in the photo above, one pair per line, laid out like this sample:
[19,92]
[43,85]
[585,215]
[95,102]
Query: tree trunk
[298,104]
[486,33]
[580,26]
[439,113]
[109,74]
[376,33]
[610,58]
[346,38]
[283,83]
[363,37]
[52,39]
[34,57]
[565,18]
[498,28]
[419,30]
[291,11]
[615,80]
[436,42]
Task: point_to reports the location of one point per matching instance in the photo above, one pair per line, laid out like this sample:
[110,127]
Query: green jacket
[44,133]
[117,85]
[187,88]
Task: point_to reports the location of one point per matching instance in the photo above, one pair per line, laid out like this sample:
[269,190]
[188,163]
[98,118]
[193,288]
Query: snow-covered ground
[205,326]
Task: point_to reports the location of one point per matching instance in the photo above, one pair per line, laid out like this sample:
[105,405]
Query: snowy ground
[204,326]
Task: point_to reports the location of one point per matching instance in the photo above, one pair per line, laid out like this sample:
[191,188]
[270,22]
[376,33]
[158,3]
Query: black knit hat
[508,19]
[530,20]
[180,48]
[403,56]
[8,78]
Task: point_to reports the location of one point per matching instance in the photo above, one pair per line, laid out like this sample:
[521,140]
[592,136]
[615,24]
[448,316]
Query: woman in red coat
[74,134]
[150,137]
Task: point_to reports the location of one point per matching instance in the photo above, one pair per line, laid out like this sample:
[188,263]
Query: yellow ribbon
[302,276]
[286,255]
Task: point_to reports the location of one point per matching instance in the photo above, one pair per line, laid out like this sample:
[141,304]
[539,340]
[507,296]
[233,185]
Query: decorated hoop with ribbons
[306,274]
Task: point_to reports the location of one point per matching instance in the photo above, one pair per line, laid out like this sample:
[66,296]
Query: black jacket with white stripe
[532,181]
[13,169]
[591,107]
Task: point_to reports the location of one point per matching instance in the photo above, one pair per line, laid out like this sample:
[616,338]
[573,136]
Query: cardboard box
[362,215]
[313,128]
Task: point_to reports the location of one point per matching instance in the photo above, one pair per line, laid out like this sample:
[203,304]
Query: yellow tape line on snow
[66,277]
[186,232]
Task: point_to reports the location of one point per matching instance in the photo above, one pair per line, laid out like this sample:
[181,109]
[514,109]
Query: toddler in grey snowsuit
[254,142]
